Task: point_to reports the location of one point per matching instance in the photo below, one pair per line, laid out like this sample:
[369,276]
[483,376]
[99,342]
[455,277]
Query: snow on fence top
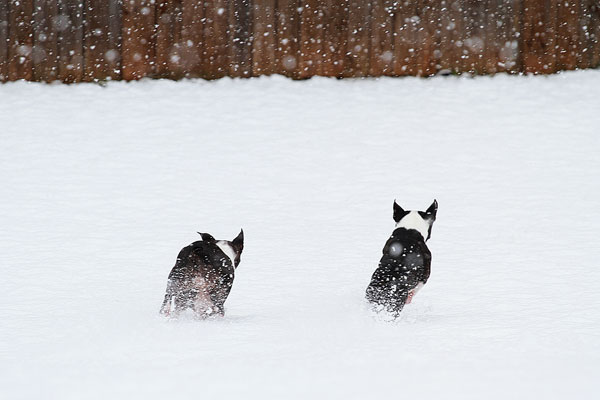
[91,40]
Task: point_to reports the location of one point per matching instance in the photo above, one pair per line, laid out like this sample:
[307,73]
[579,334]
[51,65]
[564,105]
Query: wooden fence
[91,40]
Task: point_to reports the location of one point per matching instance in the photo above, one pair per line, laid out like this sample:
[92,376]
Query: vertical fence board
[358,52]
[335,35]
[115,39]
[382,39]
[192,39]
[475,36]
[96,41]
[288,32]
[405,39]
[585,34]
[138,34]
[538,36]
[20,65]
[69,25]
[3,40]
[311,37]
[240,38]
[567,35]
[169,20]
[595,32]
[428,36]
[216,34]
[45,46]
[505,48]
[264,41]
[447,37]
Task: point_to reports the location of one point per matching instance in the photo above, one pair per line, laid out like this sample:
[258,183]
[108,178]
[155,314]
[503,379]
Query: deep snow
[102,186]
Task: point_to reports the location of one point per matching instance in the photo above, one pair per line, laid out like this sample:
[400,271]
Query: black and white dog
[202,276]
[406,262]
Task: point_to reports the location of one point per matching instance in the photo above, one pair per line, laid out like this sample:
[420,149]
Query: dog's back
[405,263]
[201,280]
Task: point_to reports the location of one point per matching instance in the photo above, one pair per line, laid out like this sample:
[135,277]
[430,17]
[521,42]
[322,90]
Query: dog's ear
[432,210]
[207,237]
[238,242]
[398,212]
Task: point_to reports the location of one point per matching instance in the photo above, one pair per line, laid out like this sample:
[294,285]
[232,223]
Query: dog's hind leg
[165,309]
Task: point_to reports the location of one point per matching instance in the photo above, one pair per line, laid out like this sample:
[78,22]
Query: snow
[102,186]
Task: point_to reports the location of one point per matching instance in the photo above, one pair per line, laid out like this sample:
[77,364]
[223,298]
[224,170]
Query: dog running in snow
[202,276]
[406,262]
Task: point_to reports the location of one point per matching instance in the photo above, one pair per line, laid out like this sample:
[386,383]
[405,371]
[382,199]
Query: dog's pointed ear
[432,210]
[238,242]
[207,237]
[398,212]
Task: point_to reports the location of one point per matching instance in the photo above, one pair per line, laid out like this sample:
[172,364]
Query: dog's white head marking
[413,220]
[227,249]
[420,221]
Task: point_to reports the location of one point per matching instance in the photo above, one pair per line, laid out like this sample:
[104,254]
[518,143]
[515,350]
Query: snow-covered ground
[102,186]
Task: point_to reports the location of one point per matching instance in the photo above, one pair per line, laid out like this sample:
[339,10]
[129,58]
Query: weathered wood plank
[502,45]
[169,21]
[311,38]
[264,43]
[382,38]
[45,41]
[428,36]
[447,36]
[102,40]
[216,34]
[115,39]
[538,36]
[192,38]
[475,36]
[69,25]
[405,39]
[595,33]
[357,62]
[288,34]
[240,38]
[567,34]
[4,40]
[20,64]
[138,36]
[335,36]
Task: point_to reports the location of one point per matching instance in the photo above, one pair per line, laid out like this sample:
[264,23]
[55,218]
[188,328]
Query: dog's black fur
[202,276]
[406,262]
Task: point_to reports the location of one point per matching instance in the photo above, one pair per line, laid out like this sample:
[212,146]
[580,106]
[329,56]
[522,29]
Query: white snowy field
[102,186]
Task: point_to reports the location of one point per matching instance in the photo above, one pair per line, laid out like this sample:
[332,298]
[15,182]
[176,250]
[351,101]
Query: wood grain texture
[568,35]
[357,60]
[538,36]
[382,38]
[216,39]
[20,63]
[311,38]
[264,39]
[406,36]
[138,36]
[4,12]
[102,40]
[169,21]
[288,34]
[69,25]
[240,38]
[192,38]
[45,41]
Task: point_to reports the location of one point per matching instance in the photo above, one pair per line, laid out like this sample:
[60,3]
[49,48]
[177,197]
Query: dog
[203,276]
[406,262]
